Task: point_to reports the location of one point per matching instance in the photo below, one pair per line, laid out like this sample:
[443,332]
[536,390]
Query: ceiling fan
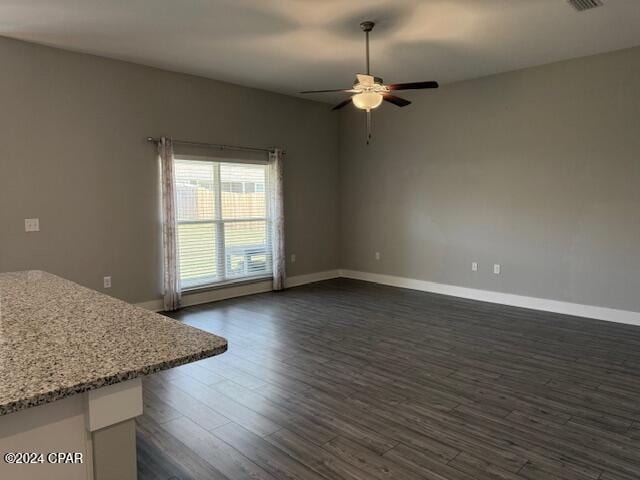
[369,91]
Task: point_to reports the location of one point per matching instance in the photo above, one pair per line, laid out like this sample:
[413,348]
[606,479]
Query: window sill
[227,284]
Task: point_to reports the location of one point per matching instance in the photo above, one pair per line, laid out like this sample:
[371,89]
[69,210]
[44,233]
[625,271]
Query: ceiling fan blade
[342,104]
[413,85]
[400,102]
[328,91]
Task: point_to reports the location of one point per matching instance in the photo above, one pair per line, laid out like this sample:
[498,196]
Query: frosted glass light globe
[367,100]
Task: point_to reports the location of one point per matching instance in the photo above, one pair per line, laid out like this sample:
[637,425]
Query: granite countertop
[58,339]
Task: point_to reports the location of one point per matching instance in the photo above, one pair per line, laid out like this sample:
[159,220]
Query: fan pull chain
[368,127]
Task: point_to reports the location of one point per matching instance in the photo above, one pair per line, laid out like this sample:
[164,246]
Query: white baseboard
[215,295]
[312,277]
[567,308]
[534,303]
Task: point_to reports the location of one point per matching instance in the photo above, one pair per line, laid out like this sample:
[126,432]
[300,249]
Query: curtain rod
[215,145]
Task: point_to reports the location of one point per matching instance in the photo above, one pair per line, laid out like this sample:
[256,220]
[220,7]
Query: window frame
[218,222]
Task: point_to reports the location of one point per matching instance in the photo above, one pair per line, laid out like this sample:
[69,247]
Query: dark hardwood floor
[351,380]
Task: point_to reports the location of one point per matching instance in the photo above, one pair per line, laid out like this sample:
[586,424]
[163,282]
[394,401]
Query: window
[223,222]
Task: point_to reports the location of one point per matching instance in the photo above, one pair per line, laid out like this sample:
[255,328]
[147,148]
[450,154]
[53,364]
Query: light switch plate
[474,266]
[496,269]
[31,224]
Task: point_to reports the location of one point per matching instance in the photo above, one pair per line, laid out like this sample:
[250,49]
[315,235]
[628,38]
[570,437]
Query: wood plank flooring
[350,380]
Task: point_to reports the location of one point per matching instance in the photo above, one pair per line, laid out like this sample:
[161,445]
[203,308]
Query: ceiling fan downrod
[366,28]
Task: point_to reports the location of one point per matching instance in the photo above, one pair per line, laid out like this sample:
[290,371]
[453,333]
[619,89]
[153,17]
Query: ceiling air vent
[582,5]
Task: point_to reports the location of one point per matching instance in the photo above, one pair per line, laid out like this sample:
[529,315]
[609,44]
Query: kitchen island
[70,366]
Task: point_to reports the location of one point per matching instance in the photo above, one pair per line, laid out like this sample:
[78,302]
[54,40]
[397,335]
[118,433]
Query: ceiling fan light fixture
[367,100]
[370,91]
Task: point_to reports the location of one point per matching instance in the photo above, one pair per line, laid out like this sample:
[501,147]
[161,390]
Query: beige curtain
[171,265]
[277,217]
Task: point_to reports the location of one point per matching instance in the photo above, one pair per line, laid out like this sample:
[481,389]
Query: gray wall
[72,152]
[538,170]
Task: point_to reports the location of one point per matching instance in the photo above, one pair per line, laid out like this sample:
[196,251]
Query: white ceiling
[292,45]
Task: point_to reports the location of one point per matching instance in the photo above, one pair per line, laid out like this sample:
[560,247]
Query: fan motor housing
[375,80]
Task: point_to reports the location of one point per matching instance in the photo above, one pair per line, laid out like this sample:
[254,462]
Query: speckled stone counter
[58,338]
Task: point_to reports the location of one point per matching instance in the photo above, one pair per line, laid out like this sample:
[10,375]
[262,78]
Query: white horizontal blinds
[197,231]
[244,213]
[222,221]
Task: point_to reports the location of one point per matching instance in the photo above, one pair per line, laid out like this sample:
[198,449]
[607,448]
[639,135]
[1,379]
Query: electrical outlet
[107,282]
[31,224]
[293,258]
[474,266]
[496,269]
[377,255]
